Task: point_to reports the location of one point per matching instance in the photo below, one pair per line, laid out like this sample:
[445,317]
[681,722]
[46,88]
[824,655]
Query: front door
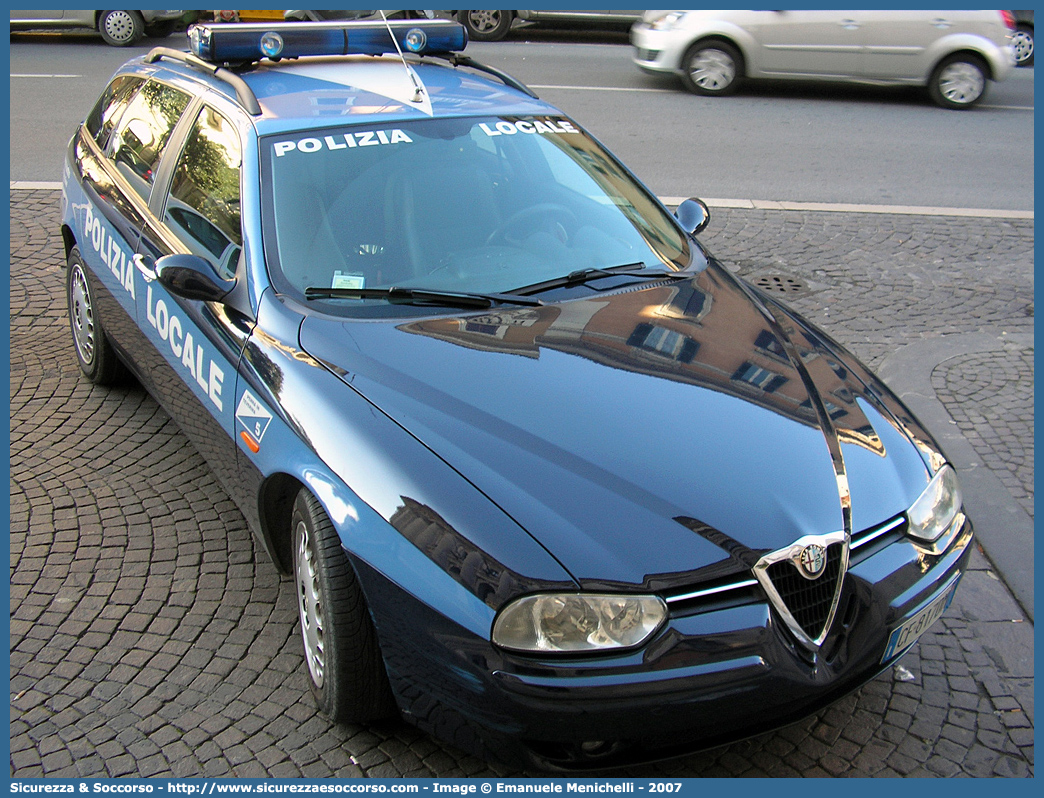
[196,345]
[813,43]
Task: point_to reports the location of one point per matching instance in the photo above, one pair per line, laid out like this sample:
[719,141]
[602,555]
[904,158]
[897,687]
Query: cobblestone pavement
[151,636]
[991,399]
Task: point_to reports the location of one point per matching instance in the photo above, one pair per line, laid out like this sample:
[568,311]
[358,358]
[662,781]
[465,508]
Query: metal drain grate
[781,284]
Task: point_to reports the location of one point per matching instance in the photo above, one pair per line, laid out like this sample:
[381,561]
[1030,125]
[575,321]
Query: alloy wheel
[484,21]
[82,316]
[310,604]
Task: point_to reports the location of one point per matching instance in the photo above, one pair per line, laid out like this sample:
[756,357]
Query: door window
[110,108]
[203,207]
[142,133]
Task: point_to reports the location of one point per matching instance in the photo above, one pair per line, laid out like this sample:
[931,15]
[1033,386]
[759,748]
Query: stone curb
[1004,529]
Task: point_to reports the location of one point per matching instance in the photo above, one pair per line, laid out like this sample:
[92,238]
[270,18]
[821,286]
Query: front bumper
[712,675]
[657,51]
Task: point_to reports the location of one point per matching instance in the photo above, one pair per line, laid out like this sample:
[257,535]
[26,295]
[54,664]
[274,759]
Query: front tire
[94,354]
[1022,41]
[959,82]
[712,68]
[486,26]
[345,668]
[121,28]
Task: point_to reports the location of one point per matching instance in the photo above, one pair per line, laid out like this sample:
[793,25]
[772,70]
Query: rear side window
[203,207]
[142,133]
[110,108]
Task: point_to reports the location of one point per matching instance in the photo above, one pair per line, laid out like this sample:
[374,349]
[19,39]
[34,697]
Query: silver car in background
[952,53]
[118,28]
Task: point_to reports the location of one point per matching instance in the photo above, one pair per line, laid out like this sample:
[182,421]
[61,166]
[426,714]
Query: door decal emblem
[253,416]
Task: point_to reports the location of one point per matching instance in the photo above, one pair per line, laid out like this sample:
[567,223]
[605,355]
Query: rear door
[899,41]
[116,153]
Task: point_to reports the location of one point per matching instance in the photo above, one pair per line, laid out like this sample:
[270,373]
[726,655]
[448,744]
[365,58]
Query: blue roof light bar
[231,43]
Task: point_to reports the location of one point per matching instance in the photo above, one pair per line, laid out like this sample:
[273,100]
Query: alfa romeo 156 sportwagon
[549,480]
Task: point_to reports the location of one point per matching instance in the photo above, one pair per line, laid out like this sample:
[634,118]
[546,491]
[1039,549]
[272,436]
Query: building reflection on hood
[704,331]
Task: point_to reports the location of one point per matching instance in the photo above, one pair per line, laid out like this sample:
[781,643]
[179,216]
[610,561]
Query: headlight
[667,21]
[577,622]
[936,508]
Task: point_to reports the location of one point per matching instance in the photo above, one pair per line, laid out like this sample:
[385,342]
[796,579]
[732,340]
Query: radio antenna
[418,91]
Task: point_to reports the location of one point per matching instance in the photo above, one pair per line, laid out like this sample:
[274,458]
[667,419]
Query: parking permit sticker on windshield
[348,280]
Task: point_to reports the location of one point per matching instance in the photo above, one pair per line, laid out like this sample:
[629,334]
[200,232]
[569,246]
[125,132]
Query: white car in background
[118,28]
[952,53]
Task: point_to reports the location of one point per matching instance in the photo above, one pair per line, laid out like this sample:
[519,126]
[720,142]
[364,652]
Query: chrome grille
[803,581]
[809,602]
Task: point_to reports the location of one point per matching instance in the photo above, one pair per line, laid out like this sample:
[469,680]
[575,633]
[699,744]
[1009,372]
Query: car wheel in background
[340,644]
[712,68]
[486,26]
[94,354]
[1022,41]
[959,81]
[121,28]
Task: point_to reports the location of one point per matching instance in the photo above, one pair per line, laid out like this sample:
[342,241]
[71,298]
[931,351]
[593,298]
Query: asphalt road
[772,141]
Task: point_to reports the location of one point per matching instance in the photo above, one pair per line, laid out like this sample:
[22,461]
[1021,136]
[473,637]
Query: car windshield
[467,205]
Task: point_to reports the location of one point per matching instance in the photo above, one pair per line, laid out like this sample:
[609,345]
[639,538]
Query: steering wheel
[557,215]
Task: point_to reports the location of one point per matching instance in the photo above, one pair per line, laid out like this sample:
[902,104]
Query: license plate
[906,635]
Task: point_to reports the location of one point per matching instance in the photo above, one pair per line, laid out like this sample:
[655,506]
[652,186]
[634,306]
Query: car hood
[640,433]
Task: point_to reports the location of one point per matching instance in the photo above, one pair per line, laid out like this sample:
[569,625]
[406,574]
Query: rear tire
[344,662]
[94,354]
[959,82]
[121,28]
[713,68]
[486,26]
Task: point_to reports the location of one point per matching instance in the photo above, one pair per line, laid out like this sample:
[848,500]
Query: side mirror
[192,277]
[693,215]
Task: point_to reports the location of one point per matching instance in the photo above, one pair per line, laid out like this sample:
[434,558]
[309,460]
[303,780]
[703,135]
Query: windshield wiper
[581,276]
[421,296]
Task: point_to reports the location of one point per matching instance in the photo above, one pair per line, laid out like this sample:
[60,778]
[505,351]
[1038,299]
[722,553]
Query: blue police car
[549,480]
